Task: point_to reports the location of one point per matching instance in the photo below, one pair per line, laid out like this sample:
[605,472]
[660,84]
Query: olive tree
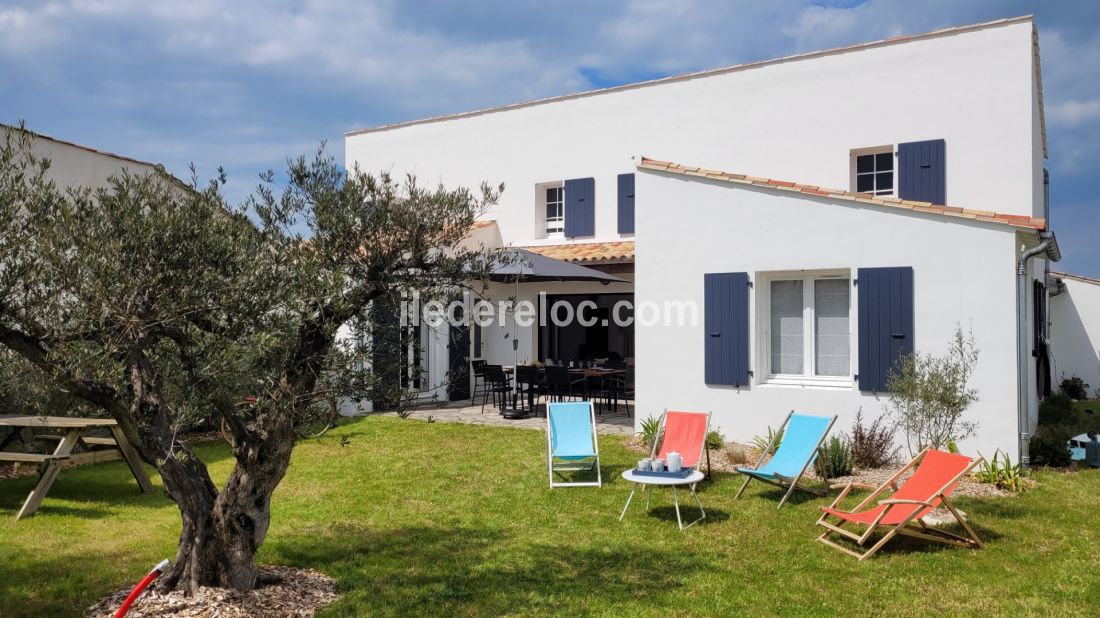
[159,303]
[930,393]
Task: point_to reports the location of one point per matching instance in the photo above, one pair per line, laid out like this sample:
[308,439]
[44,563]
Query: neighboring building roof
[892,203]
[1081,278]
[80,146]
[616,252]
[735,68]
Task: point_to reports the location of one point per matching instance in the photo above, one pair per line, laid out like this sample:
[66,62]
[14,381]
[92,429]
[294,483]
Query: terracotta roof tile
[1022,221]
[482,224]
[589,252]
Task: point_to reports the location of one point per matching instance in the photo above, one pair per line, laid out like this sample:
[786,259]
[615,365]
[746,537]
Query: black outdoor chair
[613,387]
[477,368]
[529,385]
[561,384]
[496,383]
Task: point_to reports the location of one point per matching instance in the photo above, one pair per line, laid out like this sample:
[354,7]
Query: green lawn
[418,518]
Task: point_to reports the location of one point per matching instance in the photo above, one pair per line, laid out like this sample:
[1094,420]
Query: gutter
[1048,247]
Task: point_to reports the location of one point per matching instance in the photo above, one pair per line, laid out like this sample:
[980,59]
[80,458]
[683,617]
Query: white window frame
[877,150]
[807,378]
[545,231]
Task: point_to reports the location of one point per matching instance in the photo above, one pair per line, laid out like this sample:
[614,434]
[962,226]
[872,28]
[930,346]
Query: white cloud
[1073,113]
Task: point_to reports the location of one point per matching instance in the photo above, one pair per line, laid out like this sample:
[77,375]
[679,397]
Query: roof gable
[890,203]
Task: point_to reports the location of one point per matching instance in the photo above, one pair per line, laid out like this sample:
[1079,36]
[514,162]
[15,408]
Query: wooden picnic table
[75,430]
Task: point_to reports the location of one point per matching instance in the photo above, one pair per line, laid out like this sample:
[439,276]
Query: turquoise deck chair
[571,442]
[802,438]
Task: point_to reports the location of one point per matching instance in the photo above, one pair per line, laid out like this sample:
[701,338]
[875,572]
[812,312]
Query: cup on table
[658,465]
[644,464]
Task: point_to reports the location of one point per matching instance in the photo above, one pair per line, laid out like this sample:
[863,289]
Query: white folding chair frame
[573,467]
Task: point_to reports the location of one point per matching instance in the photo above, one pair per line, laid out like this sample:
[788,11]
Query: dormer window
[873,171]
[555,210]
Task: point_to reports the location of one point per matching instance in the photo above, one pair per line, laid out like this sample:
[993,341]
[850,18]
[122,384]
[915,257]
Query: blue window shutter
[885,323]
[922,171]
[580,207]
[726,328]
[626,203]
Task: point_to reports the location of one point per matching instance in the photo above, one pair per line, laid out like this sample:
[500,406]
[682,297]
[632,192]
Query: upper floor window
[555,210]
[873,171]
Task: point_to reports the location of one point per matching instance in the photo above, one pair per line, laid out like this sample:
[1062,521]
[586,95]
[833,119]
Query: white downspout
[1048,245]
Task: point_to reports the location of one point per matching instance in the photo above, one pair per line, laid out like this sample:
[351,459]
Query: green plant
[738,454]
[650,427]
[834,458]
[1057,409]
[773,438]
[872,445]
[1000,471]
[929,394]
[1075,387]
[715,440]
[1049,446]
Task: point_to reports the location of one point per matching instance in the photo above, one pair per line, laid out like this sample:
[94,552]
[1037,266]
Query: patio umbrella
[523,266]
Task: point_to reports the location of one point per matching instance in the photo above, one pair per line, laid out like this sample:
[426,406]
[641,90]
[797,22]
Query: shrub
[872,445]
[650,427]
[773,438]
[739,455]
[929,395]
[1057,409]
[1075,387]
[715,441]
[1000,471]
[835,458]
[1049,446]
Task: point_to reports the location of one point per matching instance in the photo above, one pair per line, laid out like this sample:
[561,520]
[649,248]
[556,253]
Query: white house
[74,165]
[910,188]
[1075,330]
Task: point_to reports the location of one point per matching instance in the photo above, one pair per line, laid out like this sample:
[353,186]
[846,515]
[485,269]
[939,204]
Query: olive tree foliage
[929,395]
[159,303]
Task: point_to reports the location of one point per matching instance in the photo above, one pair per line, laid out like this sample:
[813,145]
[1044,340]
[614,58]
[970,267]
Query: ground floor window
[808,327]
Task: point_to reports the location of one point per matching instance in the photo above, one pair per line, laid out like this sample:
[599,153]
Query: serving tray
[682,474]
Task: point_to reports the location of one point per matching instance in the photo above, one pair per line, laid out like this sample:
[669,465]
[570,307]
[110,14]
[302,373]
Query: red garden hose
[138,589]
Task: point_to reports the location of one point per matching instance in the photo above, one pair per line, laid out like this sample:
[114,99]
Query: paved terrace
[608,422]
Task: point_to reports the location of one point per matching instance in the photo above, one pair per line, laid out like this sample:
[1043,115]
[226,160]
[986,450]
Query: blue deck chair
[802,437]
[571,442]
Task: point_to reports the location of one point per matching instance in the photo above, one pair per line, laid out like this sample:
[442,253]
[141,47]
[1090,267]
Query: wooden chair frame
[912,526]
[790,484]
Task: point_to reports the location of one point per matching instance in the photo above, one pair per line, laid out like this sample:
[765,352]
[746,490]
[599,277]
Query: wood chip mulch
[299,593]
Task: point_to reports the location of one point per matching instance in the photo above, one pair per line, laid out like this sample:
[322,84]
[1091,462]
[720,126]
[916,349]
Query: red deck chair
[936,476]
[685,433]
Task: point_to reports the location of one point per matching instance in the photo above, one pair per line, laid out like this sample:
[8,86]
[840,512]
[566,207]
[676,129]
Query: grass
[432,518]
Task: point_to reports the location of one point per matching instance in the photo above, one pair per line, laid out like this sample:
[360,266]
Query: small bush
[835,458]
[715,440]
[872,445]
[773,438]
[1049,446]
[1000,471]
[1057,409]
[650,427]
[1075,387]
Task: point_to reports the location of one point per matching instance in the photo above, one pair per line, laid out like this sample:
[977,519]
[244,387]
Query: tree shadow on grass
[106,483]
[466,571]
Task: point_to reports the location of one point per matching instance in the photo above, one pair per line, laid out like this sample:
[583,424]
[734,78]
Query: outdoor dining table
[74,431]
[580,372]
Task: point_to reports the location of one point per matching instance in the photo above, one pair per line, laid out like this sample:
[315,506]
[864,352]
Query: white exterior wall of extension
[730,228]
[794,120]
[1075,332]
[74,166]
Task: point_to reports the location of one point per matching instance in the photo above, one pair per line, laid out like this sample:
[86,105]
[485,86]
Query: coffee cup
[658,465]
[644,464]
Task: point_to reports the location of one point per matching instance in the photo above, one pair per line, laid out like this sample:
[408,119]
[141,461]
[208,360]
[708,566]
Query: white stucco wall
[692,227]
[1075,332]
[74,166]
[793,120]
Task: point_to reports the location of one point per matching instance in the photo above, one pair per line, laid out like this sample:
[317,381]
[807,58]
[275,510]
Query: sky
[243,85]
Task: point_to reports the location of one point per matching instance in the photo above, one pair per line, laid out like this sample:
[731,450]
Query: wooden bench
[30,457]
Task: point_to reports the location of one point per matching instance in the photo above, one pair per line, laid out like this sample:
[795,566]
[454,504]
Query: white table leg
[628,499]
[676,504]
